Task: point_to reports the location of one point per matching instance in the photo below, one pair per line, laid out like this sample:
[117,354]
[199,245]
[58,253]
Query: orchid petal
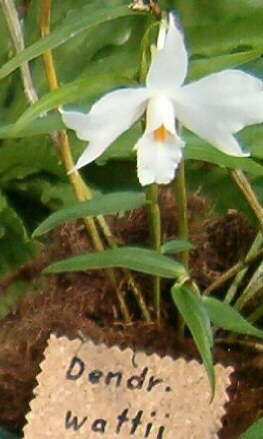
[108,118]
[169,65]
[219,105]
[157,161]
[160,111]
[75,121]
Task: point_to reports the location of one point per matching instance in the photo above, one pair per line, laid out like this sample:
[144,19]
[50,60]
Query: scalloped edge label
[94,391]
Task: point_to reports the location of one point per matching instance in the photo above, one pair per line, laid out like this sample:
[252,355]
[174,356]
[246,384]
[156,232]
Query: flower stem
[133,285]
[82,192]
[154,218]
[242,182]
[179,187]
[16,33]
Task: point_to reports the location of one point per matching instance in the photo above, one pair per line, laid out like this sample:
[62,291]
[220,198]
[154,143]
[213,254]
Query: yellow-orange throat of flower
[160,134]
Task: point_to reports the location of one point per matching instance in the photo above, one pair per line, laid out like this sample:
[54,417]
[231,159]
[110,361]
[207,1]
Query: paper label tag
[96,392]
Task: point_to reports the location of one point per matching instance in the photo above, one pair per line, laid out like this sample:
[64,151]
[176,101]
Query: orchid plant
[214,108]
[99,43]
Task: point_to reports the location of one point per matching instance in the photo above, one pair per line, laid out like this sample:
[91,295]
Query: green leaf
[252,136]
[25,157]
[78,22]
[14,242]
[102,75]
[100,205]
[90,85]
[196,317]
[202,67]
[254,432]
[35,192]
[133,258]
[226,317]
[196,13]
[175,246]
[198,149]
[212,182]
[227,36]
[42,125]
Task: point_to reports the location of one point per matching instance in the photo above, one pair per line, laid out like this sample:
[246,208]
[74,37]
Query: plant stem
[16,33]
[133,285]
[252,289]
[179,187]
[82,192]
[257,243]
[257,346]
[154,218]
[232,272]
[244,185]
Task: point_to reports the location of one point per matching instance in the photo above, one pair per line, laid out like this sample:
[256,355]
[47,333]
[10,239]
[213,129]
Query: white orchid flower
[214,108]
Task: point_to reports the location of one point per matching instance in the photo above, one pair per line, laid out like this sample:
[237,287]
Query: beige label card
[95,392]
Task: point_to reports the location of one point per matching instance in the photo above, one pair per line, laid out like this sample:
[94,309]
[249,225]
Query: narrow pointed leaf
[133,258]
[80,21]
[198,149]
[176,246]
[226,317]
[196,318]
[254,432]
[90,85]
[101,205]
[210,65]
[42,125]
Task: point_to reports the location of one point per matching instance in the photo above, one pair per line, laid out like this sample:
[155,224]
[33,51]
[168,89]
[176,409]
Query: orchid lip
[160,134]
